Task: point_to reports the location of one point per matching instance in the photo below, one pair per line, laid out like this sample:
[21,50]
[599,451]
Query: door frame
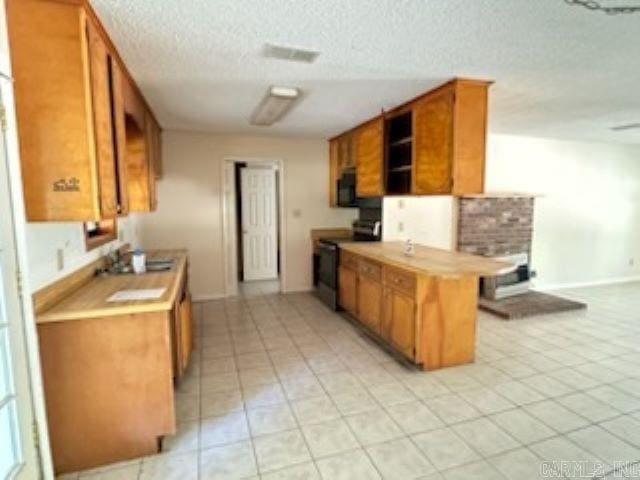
[31,348]
[229,219]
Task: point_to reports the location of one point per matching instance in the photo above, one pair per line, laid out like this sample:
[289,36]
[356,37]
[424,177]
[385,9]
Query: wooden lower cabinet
[399,323]
[429,319]
[369,300]
[348,289]
[108,387]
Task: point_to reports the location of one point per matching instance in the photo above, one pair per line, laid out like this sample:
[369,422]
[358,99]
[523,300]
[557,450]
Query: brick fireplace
[495,225]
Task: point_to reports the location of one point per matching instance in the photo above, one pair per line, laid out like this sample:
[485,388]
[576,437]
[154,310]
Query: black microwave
[347,190]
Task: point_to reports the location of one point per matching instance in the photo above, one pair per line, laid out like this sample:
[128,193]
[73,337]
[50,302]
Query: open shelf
[399,153]
[401,142]
[404,168]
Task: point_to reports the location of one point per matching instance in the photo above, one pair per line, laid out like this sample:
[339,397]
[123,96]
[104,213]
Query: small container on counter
[139,261]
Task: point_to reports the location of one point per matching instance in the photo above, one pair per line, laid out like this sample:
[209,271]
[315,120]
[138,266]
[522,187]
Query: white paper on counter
[142,294]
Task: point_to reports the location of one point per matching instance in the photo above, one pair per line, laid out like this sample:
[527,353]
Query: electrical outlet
[401,203]
[401,226]
[60,258]
[632,262]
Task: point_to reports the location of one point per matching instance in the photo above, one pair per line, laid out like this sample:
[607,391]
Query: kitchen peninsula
[109,366]
[423,305]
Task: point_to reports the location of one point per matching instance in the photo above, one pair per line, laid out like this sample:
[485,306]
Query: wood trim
[48,296]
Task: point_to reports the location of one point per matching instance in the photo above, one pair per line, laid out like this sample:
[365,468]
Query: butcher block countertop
[428,260]
[90,300]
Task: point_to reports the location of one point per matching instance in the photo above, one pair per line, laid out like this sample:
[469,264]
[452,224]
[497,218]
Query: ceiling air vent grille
[628,126]
[289,53]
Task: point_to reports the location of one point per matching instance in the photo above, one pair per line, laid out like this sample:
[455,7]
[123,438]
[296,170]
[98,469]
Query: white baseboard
[298,290]
[593,283]
[207,297]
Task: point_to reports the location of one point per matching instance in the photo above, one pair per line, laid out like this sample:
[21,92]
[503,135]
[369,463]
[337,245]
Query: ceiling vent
[289,53]
[628,126]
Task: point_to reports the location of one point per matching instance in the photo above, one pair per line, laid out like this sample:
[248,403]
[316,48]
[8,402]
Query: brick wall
[494,226]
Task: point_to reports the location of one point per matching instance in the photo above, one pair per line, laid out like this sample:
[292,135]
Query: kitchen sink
[154,265]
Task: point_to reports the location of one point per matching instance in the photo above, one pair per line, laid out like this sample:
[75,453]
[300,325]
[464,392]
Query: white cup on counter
[139,261]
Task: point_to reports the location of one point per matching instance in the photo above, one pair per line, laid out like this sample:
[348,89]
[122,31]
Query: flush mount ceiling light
[276,103]
[613,8]
[290,54]
[628,126]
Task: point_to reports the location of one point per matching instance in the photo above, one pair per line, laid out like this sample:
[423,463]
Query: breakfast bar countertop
[90,300]
[428,260]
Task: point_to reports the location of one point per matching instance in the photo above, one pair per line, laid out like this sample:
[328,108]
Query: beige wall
[190,202]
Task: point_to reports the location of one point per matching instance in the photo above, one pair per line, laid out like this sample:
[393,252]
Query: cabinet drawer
[370,269]
[348,260]
[403,281]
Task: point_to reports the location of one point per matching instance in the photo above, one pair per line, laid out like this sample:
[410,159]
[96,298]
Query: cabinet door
[186,331]
[433,144]
[346,152]
[157,147]
[369,140]
[119,126]
[347,290]
[370,303]
[151,131]
[102,122]
[399,322]
[334,172]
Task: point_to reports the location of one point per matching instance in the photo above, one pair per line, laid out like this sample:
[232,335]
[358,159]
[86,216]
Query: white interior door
[18,453]
[259,223]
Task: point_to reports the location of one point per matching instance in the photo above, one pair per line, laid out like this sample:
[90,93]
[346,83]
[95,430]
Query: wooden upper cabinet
[470,136]
[70,112]
[143,150]
[50,59]
[102,96]
[346,153]
[341,158]
[369,159]
[120,133]
[157,147]
[433,144]
[152,136]
[450,130]
[334,172]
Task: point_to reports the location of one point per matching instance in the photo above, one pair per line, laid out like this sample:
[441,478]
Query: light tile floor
[282,388]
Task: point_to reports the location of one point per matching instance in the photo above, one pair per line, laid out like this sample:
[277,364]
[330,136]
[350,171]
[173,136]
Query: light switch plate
[401,226]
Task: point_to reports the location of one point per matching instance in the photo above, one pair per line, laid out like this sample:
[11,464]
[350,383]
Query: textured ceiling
[560,71]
